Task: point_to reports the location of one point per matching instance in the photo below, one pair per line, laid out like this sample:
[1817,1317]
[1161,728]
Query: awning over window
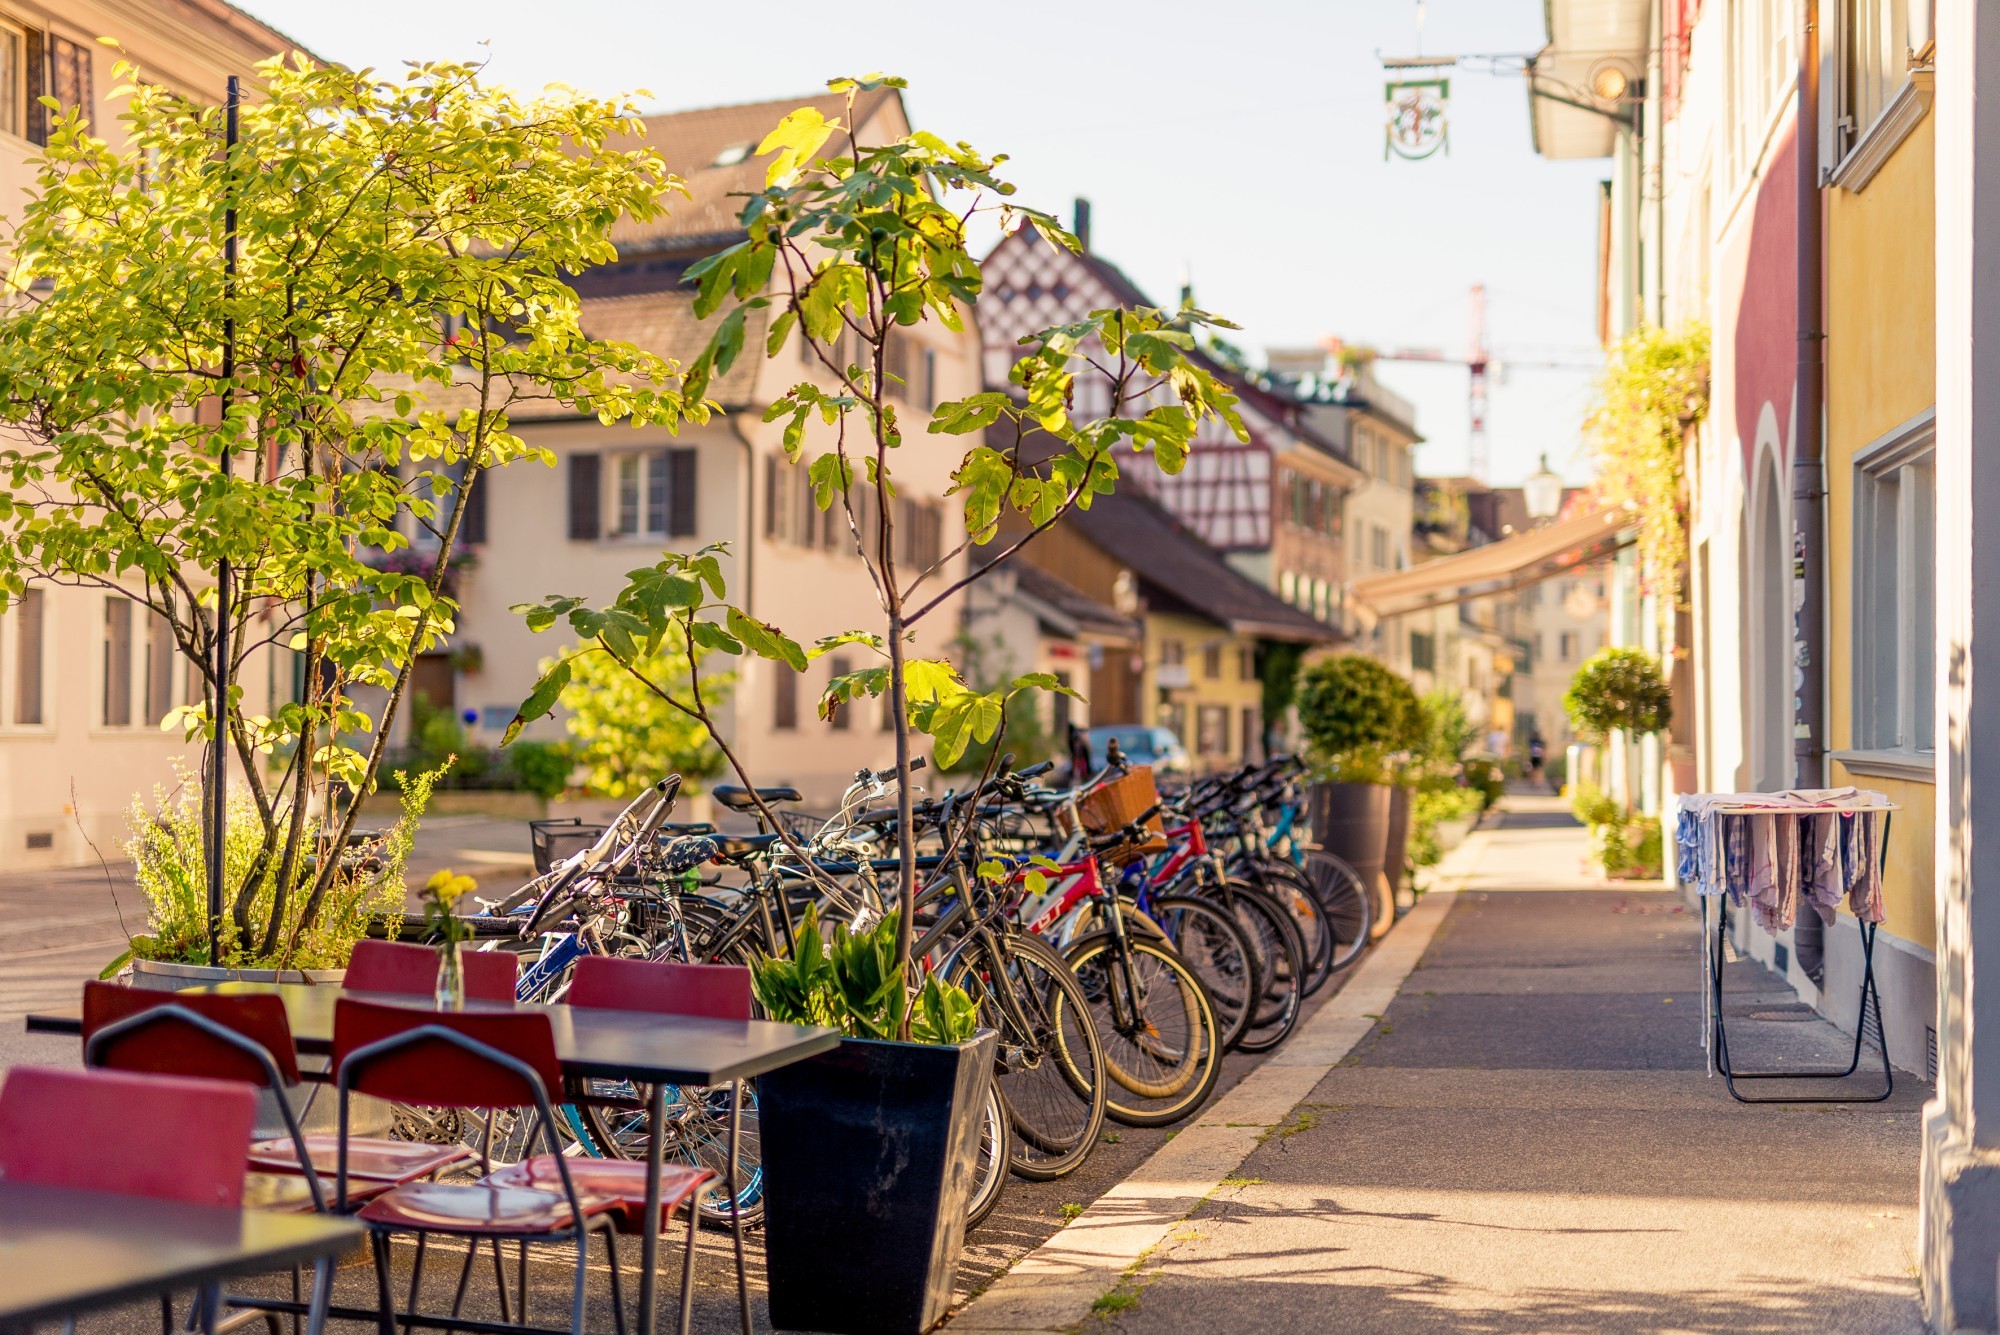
[1499,567]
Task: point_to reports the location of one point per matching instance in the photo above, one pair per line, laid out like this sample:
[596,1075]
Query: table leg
[736,1202]
[649,1249]
[322,1295]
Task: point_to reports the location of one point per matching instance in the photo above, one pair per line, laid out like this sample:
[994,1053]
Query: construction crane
[1479,363]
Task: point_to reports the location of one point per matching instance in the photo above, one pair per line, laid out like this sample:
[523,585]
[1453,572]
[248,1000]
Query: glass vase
[450,993]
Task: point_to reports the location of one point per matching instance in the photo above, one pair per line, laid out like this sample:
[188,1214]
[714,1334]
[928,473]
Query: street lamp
[1543,492]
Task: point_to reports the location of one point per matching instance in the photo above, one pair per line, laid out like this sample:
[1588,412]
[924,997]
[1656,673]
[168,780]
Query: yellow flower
[447,887]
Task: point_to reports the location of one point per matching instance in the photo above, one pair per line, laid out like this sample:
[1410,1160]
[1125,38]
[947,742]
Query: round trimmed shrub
[1356,711]
[1619,689]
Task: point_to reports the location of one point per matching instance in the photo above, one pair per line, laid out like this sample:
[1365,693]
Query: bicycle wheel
[1289,886]
[989,1169]
[1280,950]
[1343,902]
[1050,1066]
[1162,1045]
[697,1135]
[1212,943]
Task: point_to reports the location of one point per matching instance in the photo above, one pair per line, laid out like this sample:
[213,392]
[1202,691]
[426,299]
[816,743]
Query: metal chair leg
[416,1281]
[385,1318]
[617,1294]
[736,1202]
[582,1261]
[687,1270]
[465,1275]
[500,1278]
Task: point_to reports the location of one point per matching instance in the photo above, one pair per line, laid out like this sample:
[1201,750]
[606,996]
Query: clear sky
[1239,142]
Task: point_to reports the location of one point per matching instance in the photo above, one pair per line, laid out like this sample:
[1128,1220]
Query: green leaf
[541,702]
[766,640]
[796,139]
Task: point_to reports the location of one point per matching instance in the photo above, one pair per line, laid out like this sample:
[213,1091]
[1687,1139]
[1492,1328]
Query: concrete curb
[1052,1288]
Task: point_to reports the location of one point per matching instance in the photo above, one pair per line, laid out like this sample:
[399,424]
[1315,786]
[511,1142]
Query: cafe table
[645,1048]
[65,1252]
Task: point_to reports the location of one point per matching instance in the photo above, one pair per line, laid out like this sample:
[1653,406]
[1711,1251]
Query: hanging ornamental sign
[1416,126]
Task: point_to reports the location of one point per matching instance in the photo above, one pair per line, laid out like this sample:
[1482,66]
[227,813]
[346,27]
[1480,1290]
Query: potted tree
[1620,692]
[845,252]
[1356,715]
[265,355]
[862,1228]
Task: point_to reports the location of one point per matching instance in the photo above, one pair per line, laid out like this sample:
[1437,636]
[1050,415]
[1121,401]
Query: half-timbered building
[1272,505]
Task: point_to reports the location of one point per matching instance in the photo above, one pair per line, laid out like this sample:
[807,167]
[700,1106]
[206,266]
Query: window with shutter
[774,497]
[896,367]
[69,75]
[839,666]
[472,524]
[808,534]
[784,697]
[117,662]
[159,668]
[681,466]
[36,125]
[28,624]
[585,497]
[930,398]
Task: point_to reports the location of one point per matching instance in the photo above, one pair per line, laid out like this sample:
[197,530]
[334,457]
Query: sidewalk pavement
[1521,1140]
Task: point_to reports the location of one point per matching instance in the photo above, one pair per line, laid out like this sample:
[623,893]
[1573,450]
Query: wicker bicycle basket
[1113,806]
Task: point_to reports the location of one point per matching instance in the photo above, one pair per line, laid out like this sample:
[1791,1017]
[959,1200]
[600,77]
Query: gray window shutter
[680,493]
[586,497]
[472,525]
[34,56]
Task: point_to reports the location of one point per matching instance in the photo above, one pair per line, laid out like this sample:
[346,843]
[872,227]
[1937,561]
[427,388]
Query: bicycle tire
[1164,1058]
[1272,931]
[1346,904]
[1289,886]
[989,1167]
[1212,943]
[1051,1078]
[699,1115]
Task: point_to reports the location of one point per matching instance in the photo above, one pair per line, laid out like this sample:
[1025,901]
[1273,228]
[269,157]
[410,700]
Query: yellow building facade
[1881,389]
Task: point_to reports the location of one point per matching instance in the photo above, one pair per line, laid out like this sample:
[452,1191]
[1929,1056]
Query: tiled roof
[698,146]
[1088,614]
[1180,573]
[662,321]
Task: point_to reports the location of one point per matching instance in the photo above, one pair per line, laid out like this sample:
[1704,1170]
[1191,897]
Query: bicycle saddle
[742,799]
[679,855]
[738,845]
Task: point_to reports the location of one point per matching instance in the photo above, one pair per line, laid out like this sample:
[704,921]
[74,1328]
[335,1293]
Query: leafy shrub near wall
[1655,385]
[1356,713]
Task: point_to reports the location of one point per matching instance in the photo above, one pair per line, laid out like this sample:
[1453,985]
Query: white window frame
[645,463]
[19,129]
[1893,686]
[1879,95]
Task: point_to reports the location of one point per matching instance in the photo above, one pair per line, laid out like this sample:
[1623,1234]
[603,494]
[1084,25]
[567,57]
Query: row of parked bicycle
[1175,928]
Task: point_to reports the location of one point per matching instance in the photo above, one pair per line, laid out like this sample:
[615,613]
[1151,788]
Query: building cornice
[1872,151]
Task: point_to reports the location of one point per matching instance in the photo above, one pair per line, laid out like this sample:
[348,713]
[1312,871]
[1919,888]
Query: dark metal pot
[1397,846]
[869,1153]
[1351,821]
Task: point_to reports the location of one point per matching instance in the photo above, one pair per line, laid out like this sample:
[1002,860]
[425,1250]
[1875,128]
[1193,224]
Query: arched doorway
[1768,634]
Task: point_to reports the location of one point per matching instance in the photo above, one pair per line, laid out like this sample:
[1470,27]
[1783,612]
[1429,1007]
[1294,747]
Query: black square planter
[869,1153]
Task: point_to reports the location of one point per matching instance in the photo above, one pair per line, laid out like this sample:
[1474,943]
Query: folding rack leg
[1870,996]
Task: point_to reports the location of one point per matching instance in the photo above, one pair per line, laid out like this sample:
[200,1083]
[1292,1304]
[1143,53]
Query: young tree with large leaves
[401,248]
[846,248]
